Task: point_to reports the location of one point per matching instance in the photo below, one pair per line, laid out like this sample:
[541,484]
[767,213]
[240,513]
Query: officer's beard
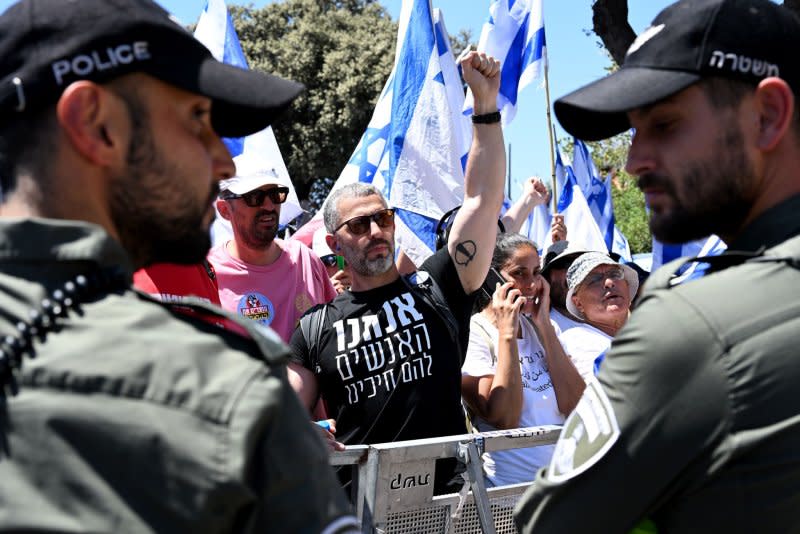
[708,196]
[156,217]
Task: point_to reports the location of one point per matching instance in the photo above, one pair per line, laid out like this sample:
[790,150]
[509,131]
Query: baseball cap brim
[243,101]
[598,110]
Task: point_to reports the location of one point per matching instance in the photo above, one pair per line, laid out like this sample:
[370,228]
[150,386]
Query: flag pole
[550,131]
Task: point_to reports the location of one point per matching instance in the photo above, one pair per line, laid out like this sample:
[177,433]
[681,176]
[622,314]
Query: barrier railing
[395,483]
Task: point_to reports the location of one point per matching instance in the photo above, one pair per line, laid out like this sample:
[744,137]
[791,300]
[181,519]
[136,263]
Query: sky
[575,59]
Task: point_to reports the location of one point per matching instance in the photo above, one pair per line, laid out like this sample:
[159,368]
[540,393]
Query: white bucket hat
[585,264]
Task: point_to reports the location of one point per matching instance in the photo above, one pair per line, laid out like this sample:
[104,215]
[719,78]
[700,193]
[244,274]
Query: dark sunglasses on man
[360,225]
[255,198]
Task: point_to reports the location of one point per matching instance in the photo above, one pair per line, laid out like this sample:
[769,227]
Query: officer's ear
[775,105]
[224,209]
[91,118]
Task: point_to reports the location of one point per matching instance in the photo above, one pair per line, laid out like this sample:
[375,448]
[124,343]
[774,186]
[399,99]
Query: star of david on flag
[514,34]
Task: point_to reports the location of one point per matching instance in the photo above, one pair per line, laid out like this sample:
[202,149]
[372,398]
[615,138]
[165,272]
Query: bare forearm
[517,213]
[567,382]
[504,405]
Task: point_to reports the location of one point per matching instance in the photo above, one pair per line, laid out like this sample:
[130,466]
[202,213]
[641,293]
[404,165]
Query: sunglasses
[255,198]
[598,278]
[360,225]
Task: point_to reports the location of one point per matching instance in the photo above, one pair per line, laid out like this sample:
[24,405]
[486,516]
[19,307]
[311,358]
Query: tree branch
[793,6]
[610,23]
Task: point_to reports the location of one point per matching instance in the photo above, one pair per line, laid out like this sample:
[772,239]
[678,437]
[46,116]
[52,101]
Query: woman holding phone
[516,373]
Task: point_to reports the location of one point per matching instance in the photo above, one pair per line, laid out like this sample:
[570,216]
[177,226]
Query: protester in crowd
[534,193]
[693,422]
[337,270]
[261,277]
[557,261]
[384,358]
[600,292]
[516,372]
[131,417]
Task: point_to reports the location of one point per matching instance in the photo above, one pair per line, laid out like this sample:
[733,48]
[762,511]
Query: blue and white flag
[215,30]
[665,253]
[415,146]
[514,34]
[582,230]
[598,195]
[537,226]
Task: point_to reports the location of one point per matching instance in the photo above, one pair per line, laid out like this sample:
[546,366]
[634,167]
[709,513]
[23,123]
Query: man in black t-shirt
[386,364]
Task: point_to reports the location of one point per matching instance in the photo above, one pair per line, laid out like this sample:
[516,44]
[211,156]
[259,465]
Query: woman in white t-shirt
[516,373]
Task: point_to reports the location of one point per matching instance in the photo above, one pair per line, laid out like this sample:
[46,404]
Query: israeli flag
[598,195]
[665,253]
[514,34]
[537,226]
[582,230]
[215,30]
[415,147]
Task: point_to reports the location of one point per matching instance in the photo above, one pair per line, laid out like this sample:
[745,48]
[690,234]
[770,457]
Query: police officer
[694,424]
[117,412]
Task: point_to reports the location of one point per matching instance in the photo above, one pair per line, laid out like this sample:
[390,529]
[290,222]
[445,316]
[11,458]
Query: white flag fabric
[582,230]
[598,195]
[537,226]
[514,34]
[415,146]
[215,30]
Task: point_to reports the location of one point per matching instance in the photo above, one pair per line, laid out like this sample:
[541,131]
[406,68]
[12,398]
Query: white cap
[252,173]
[318,243]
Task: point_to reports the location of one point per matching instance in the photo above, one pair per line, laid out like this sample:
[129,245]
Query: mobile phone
[493,277]
[340,262]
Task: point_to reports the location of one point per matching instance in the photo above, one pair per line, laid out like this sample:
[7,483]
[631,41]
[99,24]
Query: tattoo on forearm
[465,253]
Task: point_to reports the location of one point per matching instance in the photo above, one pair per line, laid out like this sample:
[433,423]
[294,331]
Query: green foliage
[630,213]
[461,41]
[609,157]
[343,52]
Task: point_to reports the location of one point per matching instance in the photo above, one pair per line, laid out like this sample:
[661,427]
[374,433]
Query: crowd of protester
[488,333]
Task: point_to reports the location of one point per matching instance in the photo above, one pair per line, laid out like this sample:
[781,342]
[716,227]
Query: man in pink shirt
[260,276]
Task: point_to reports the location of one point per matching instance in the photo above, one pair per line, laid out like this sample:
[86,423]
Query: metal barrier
[395,483]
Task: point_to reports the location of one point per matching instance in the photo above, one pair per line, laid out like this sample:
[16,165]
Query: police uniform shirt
[132,418]
[694,421]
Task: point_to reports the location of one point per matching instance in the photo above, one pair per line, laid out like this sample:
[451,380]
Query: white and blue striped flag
[215,30]
[415,146]
[665,253]
[537,226]
[582,230]
[598,195]
[514,34]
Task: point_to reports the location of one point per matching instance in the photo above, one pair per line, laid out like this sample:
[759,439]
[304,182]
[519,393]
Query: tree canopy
[343,52]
